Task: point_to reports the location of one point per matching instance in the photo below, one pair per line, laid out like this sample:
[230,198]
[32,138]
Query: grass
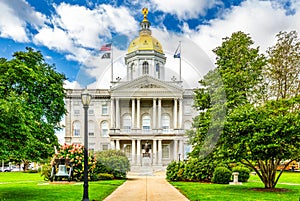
[15,186]
[205,191]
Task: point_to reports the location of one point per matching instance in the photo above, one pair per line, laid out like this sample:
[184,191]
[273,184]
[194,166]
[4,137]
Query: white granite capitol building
[143,115]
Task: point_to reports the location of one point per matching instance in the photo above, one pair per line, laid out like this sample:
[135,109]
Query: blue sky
[69,33]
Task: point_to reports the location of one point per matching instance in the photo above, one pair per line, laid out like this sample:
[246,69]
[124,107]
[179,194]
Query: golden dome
[145,41]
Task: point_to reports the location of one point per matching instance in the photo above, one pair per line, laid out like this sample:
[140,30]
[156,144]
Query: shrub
[105,176]
[199,170]
[46,171]
[75,154]
[221,175]
[244,173]
[175,171]
[112,162]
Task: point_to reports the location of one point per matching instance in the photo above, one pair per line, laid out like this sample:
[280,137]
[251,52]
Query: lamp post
[85,99]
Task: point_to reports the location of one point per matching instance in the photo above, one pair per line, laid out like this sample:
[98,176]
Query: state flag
[177,52]
[106,55]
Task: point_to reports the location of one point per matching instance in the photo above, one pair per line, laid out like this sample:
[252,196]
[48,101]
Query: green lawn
[31,187]
[204,191]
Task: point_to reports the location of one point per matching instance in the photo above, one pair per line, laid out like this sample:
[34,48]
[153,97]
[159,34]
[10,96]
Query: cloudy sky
[69,33]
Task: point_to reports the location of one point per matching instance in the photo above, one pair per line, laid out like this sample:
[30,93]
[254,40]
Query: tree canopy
[261,126]
[31,106]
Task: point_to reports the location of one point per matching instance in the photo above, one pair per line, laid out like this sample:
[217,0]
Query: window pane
[104,109]
[145,68]
[127,122]
[165,151]
[165,122]
[104,129]
[91,128]
[104,147]
[146,122]
[76,128]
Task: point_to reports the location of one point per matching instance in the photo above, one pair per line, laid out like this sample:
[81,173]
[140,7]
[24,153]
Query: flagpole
[111,60]
[180,61]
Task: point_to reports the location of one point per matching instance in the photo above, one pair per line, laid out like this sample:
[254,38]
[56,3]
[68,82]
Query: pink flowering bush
[75,154]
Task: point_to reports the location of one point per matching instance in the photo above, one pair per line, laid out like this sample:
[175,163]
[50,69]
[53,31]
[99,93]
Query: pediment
[146,85]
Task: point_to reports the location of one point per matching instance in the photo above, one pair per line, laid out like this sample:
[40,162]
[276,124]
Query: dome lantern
[145,41]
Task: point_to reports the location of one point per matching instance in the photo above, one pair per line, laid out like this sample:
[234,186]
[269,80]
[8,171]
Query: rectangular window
[91,112]
[104,147]
[104,110]
[91,146]
[76,112]
[165,151]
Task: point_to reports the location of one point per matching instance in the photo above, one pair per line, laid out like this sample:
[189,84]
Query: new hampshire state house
[143,115]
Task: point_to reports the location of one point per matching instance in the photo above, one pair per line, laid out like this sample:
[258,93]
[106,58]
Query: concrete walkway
[146,188]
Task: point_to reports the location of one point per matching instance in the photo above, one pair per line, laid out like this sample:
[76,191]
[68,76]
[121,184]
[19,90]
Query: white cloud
[71,85]
[54,38]
[15,16]
[185,9]
[80,31]
[261,19]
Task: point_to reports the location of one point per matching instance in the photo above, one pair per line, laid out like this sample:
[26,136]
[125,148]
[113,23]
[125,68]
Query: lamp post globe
[85,99]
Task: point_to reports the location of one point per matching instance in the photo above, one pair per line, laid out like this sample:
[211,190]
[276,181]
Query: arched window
[76,129]
[104,129]
[91,128]
[157,69]
[131,71]
[127,122]
[165,122]
[146,122]
[145,68]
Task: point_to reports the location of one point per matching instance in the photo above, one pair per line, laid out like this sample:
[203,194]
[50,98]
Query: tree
[31,104]
[229,85]
[261,137]
[283,70]
[262,121]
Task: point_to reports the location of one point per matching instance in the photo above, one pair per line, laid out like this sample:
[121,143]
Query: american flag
[106,47]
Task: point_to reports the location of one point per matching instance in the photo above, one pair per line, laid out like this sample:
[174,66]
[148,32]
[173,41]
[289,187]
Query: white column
[159,152]
[180,113]
[181,149]
[117,113]
[133,152]
[112,113]
[138,152]
[175,114]
[175,150]
[133,113]
[159,114]
[138,113]
[117,144]
[154,113]
[154,151]
[112,144]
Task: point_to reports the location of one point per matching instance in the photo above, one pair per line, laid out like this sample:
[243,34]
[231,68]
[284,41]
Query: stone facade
[142,109]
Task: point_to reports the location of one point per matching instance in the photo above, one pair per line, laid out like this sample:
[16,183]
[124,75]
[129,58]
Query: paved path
[146,188]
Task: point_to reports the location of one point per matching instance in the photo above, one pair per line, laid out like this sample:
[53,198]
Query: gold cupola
[145,41]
